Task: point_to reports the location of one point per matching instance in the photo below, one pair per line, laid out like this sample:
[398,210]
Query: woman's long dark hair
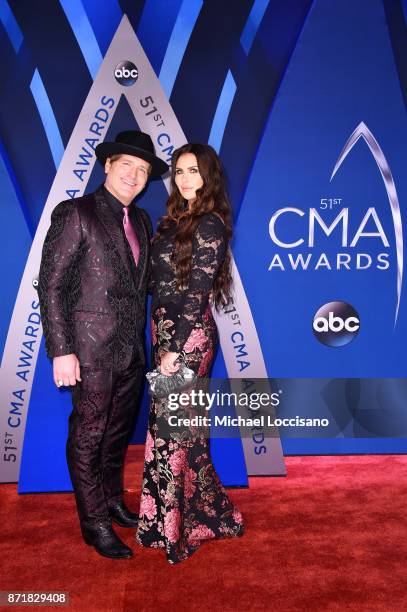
[211,197]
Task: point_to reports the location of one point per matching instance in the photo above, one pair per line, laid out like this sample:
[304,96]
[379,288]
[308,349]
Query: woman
[183,501]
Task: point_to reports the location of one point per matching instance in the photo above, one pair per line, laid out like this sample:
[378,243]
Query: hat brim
[107,149]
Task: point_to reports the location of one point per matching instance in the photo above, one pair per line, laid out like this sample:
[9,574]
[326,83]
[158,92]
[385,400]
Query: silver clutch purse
[161,385]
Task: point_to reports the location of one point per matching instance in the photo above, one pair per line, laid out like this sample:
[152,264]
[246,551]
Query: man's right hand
[66,370]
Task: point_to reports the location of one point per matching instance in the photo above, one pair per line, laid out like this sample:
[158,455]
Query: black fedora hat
[133,142]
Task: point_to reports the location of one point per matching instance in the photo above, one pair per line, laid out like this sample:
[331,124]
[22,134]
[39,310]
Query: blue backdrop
[277,92]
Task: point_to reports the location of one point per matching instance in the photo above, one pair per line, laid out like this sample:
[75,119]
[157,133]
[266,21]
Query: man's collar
[114,202]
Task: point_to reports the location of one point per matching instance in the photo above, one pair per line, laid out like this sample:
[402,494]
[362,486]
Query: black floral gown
[183,502]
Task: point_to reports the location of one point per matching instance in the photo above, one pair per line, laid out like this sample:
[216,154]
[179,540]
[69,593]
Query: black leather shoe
[121,515]
[105,541]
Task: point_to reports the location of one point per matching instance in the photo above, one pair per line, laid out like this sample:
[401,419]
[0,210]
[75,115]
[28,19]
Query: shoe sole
[112,556]
[129,556]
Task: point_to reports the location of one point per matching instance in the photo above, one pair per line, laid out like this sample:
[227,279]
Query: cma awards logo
[368,226]
[126,73]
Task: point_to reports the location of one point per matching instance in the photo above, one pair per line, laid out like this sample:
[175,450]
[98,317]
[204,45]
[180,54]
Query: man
[92,289]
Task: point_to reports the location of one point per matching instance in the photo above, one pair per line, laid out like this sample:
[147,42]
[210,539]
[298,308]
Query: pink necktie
[131,235]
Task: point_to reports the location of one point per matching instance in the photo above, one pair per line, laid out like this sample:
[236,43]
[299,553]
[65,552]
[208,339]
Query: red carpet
[330,536]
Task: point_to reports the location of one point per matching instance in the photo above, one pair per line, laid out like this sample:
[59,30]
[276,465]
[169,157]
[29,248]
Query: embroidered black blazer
[92,294]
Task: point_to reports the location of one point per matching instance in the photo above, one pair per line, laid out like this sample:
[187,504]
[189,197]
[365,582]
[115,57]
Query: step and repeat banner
[305,103]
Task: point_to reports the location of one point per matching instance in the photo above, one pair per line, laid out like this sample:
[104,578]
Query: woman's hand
[168,365]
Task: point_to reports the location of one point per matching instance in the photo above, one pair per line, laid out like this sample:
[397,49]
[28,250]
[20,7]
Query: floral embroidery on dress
[183,502]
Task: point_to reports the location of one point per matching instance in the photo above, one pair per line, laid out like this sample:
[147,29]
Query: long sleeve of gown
[208,253]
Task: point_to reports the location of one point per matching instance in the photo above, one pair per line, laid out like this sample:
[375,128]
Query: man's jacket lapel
[144,242]
[116,240]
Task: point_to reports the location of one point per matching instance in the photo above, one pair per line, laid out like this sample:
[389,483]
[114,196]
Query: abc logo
[336,324]
[126,73]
